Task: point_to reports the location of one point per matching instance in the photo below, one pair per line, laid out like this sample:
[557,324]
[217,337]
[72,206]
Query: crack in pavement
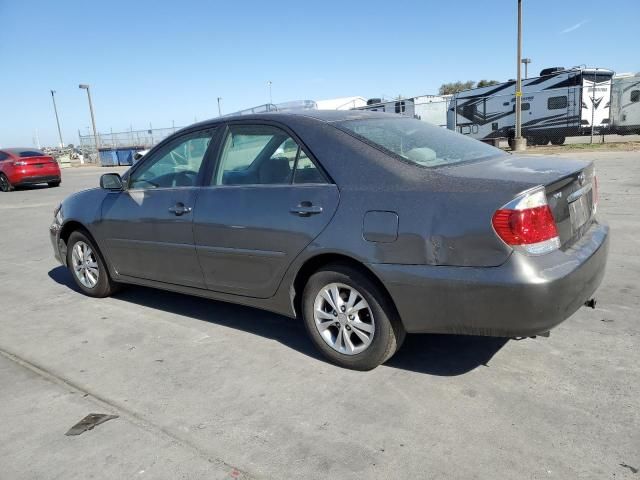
[125,413]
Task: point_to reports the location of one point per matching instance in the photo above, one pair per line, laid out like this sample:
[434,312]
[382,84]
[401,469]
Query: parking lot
[205,389]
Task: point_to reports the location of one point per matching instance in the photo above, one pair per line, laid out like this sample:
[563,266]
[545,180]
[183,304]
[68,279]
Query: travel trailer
[625,104]
[557,104]
[429,108]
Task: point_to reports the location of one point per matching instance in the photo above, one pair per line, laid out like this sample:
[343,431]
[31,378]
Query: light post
[55,110]
[269,83]
[219,109]
[84,86]
[519,143]
[526,62]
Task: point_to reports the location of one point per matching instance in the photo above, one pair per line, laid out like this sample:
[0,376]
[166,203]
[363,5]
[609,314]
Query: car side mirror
[111,181]
[137,156]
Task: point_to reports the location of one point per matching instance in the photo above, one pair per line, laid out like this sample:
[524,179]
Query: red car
[27,166]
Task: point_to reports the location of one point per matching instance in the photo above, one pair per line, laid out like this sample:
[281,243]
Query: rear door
[267,200]
[148,227]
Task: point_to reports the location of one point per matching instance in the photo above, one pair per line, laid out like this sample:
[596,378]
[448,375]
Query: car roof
[326,116]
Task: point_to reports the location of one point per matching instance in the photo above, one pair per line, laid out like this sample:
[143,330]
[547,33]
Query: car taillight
[19,163]
[527,224]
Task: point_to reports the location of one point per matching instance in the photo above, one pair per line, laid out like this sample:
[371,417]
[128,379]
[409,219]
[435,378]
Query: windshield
[419,142]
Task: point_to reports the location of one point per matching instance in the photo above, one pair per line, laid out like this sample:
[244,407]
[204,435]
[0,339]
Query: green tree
[454,87]
[486,83]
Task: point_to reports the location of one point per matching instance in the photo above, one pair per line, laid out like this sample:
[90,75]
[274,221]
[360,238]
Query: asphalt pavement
[205,389]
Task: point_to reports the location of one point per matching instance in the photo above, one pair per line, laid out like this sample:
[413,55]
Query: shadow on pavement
[441,355]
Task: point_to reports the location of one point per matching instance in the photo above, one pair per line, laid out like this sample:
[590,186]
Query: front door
[267,201]
[148,227]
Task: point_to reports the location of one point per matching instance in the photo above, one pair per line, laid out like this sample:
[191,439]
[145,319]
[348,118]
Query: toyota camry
[365,225]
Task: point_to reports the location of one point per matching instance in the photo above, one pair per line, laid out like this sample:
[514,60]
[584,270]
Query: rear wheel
[349,319]
[88,267]
[5,184]
[558,140]
[54,184]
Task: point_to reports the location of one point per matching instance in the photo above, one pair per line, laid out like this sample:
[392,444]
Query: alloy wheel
[85,264]
[343,318]
[4,183]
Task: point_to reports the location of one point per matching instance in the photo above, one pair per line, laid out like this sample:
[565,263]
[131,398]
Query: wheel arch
[71,226]
[315,263]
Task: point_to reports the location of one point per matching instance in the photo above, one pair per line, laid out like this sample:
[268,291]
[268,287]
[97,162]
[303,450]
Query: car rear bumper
[35,179]
[524,296]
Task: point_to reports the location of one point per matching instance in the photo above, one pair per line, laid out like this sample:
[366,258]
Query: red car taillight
[527,224]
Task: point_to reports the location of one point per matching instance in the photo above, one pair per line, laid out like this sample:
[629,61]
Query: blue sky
[162,62]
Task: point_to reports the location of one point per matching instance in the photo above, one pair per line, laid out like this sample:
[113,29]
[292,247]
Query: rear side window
[3,156]
[30,153]
[418,142]
[556,103]
[635,96]
[263,155]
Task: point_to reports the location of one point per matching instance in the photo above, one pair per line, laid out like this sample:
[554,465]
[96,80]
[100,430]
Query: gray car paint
[445,272]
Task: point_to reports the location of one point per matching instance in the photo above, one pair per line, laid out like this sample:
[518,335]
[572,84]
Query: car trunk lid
[38,161]
[569,186]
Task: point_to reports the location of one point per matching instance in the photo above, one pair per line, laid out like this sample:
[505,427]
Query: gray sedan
[365,225]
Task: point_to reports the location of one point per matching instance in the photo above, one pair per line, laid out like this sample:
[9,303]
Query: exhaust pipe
[591,303]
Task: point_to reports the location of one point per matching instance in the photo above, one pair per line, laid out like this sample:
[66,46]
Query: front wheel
[349,319]
[88,267]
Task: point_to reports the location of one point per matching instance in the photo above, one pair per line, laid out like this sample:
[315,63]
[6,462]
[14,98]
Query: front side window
[418,142]
[262,155]
[176,165]
[556,103]
[635,96]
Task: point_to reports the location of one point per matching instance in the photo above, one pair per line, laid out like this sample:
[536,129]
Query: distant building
[341,103]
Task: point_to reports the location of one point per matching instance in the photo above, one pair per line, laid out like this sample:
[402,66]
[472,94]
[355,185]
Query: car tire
[80,248]
[5,184]
[558,140]
[53,184]
[384,331]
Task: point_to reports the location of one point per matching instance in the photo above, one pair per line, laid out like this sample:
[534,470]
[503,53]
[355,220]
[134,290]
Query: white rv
[429,108]
[625,104]
[557,104]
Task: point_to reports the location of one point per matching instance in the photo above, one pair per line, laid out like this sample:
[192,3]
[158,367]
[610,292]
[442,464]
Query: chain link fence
[131,139]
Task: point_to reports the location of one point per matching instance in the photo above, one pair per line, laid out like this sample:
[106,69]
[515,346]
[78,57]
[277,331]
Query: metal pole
[55,109]
[93,120]
[526,62]
[519,143]
[219,109]
[270,97]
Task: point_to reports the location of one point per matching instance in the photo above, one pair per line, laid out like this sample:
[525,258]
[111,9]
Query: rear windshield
[419,142]
[30,153]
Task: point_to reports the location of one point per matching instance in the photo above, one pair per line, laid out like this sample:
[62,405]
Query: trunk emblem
[581,178]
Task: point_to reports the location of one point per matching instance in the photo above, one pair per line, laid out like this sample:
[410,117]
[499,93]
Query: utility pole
[526,62]
[84,86]
[55,109]
[219,109]
[519,143]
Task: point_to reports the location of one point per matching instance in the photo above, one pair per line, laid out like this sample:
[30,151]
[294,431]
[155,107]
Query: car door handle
[306,209]
[180,209]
